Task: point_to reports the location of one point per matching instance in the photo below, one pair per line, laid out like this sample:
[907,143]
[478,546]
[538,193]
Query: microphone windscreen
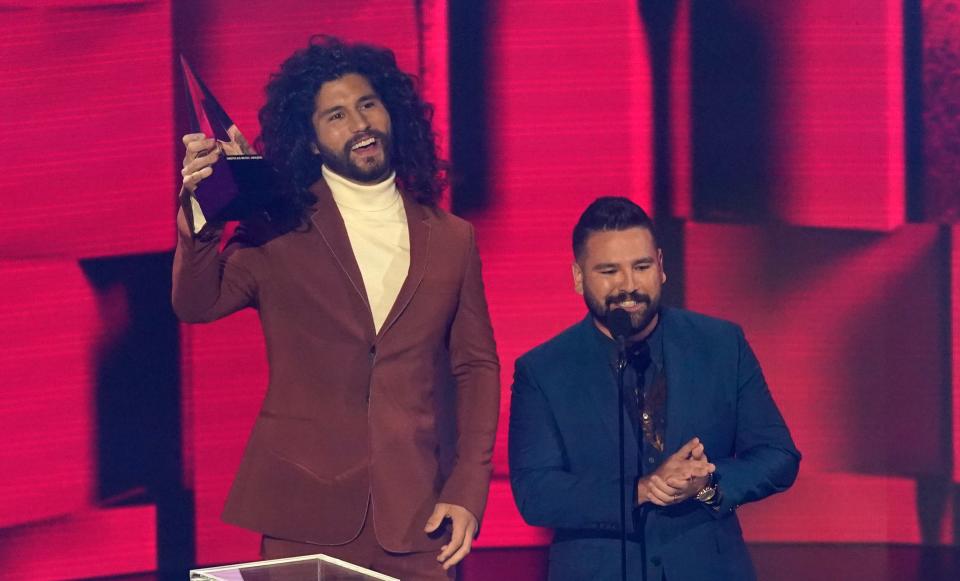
[618,322]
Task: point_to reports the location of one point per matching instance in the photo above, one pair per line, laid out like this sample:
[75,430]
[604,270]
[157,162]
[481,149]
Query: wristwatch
[709,494]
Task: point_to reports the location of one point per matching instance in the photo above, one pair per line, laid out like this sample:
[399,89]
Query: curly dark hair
[287,134]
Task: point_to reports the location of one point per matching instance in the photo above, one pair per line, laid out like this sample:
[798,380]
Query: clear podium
[308,568]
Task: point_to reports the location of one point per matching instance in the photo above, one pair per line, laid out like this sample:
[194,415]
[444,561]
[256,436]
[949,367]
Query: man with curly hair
[373,443]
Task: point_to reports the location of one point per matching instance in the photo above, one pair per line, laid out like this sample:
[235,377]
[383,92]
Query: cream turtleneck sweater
[377,228]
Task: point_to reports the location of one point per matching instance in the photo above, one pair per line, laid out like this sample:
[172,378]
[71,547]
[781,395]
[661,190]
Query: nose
[628,282]
[358,121]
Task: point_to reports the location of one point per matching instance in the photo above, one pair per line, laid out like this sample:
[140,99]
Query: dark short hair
[609,213]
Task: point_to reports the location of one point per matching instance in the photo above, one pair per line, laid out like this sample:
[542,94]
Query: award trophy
[242,181]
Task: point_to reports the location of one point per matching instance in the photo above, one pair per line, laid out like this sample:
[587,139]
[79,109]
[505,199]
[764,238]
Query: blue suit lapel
[681,390]
[600,380]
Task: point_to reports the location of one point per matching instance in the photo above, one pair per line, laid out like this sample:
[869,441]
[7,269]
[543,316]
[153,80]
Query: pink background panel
[86,129]
[846,326]
[88,544]
[225,379]
[50,326]
[955,340]
[837,80]
[555,148]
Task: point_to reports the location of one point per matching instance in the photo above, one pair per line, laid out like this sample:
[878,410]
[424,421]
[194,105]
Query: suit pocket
[729,534]
[305,446]
[720,553]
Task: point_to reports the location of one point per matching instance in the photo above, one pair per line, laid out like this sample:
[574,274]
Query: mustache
[635,296]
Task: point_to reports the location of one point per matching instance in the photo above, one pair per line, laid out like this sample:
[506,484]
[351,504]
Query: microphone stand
[621,368]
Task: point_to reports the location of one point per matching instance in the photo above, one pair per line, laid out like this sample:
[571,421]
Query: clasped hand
[681,476]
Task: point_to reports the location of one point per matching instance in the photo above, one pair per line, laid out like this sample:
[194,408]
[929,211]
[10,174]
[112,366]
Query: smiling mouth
[364,144]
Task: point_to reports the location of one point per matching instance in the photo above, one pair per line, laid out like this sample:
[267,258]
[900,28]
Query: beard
[638,321]
[342,162]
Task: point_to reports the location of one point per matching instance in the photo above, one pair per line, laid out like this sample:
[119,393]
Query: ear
[314,148]
[577,278]
[663,273]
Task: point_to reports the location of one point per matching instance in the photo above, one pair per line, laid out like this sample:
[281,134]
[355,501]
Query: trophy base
[240,186]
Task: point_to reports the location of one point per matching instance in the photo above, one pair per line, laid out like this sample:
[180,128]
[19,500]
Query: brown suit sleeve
[208,284]
[476,369]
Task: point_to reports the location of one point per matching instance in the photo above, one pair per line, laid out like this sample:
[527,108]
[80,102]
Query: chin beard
[368,174]
[342,163]
[638,321]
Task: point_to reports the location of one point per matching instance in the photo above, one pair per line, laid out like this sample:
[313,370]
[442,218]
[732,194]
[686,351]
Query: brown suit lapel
[418,223]
[329,223]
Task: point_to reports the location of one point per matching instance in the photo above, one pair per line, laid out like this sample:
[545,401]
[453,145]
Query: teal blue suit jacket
[563,452]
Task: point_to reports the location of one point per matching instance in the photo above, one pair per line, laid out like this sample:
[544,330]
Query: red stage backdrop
[774,137]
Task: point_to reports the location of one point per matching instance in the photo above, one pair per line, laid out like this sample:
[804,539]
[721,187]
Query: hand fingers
[197,164]
[698,469]
[197,147]
[685,469]
[197,142]
[465,543]
[671,492]
[654,492]
[462,552]
[190,181]
[192,164]
[201,157]
[456,540]
[661,491]
[678,483]
[436,519]
[685,451]
[698,452]
[659,497]
[191,137]
[237,137]
[663,484]
[198,170]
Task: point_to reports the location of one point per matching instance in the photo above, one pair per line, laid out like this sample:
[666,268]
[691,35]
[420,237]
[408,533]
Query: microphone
[618,322]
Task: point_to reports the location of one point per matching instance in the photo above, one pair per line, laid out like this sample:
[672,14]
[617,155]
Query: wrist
[709,495]
[642,491]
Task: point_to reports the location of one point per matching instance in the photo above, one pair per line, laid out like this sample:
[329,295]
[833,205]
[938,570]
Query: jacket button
[655,561]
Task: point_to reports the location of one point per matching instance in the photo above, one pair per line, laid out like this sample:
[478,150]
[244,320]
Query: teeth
[364,143]
[628,303]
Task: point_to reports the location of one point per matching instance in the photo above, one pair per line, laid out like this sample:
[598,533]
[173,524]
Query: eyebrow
[366,97]
[603,265]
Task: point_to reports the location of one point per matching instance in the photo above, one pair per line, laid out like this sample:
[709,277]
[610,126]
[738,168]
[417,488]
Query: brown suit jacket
[403,418]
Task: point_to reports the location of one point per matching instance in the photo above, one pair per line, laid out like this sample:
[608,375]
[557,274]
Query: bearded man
[374,441]
[704,435]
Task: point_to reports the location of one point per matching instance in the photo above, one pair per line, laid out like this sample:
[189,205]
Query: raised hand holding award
[242,181]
